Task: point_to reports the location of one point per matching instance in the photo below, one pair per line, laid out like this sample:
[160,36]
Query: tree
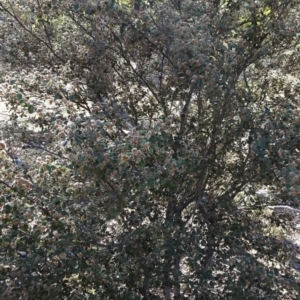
[151,126]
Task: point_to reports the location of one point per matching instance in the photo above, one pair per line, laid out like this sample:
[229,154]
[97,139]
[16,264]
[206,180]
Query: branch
[45,28]
[284,207]
[13,14]
[13,189]
[6,184]
[185,109]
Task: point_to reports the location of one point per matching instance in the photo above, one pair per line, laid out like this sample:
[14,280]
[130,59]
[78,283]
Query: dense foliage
[139,134]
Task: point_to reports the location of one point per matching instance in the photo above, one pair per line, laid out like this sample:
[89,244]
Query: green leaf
[7,208]
[76,7]
[50,168]
[57,200]
[57,96]
[142,163]
[64,213]
[71,97]
[19,96]
[30,108]
[100,172]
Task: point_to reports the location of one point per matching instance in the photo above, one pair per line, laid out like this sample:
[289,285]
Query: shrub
[139,133]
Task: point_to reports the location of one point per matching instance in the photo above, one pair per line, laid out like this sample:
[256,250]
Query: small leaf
[57,200]
[76,7]
[19,96]
[57,96]
[7,208]
[64,213]
[142,163]
[30,108]
[71,97]
[50,168]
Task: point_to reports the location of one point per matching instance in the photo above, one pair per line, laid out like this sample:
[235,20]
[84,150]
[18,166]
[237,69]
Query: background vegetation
[146,144]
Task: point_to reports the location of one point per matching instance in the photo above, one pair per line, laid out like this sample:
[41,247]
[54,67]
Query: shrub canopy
[139,134]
